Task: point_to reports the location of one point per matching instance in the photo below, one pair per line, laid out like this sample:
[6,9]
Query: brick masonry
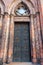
[7,19]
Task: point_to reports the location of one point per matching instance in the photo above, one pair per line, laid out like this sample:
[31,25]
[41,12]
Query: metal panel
[21,42]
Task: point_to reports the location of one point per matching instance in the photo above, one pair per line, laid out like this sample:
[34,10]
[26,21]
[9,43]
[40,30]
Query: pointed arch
[22,9]
[28,3]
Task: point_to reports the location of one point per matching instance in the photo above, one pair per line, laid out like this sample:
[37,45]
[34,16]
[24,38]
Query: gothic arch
[28,3]
[12,19]
[2,6]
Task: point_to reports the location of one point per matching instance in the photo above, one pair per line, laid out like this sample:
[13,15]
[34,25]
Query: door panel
[21,49]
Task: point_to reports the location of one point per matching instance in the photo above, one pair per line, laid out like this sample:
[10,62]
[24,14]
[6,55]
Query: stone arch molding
[2,6]
[28,3]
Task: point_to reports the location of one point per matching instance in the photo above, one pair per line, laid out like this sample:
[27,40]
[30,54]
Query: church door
[21,48]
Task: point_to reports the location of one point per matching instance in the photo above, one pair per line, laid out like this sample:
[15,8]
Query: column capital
[6,14]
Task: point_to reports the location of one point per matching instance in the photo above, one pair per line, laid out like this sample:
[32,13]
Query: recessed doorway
[21,47]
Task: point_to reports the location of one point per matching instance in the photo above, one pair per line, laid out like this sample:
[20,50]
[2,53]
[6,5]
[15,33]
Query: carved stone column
[1,29]
[37,39]
[11,39]
[40,38]
[41,17]
[34,59]
[5,37]
[0,32]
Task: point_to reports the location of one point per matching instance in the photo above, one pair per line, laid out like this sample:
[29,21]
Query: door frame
[20,19]
[28,23]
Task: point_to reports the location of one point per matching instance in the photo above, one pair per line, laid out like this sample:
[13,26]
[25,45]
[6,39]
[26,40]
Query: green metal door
[21,49]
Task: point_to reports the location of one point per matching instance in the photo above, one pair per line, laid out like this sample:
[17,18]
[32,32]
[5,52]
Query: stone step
[21,63]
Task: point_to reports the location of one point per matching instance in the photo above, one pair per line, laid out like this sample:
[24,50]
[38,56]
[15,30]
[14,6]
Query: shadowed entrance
[21,49]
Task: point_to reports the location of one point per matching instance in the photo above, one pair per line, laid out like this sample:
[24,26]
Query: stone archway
[34,32]
[22,18]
